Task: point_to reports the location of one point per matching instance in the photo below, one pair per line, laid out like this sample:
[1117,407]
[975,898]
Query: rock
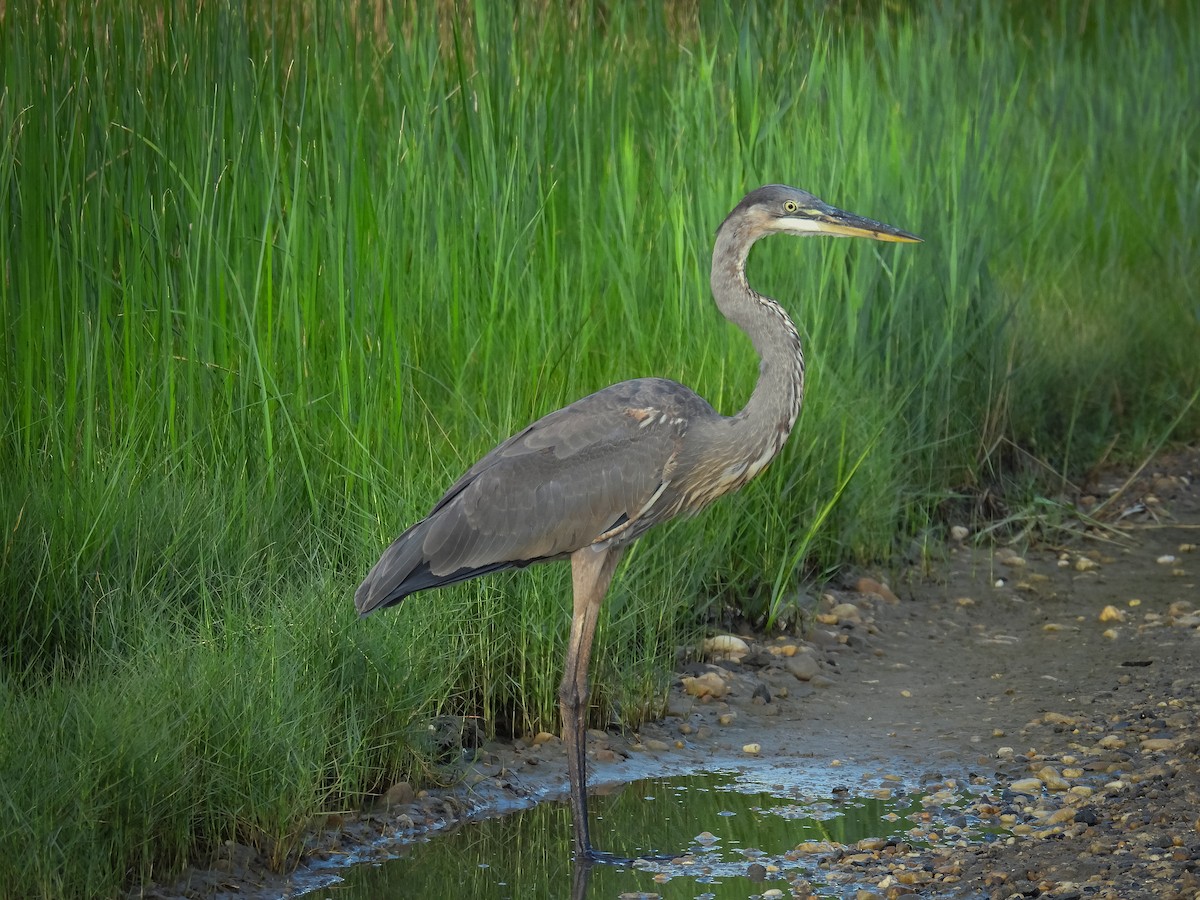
[1061,816]
[399,794]
[726,646]
[679,707]
[879,589]
[846,612]
[803,666]
[752,748]
[959,533]
[1052,780]
[710,684]
[1026,786]
[1111,614]
[1151,745]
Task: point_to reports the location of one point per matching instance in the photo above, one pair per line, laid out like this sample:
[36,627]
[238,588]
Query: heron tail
[404,568]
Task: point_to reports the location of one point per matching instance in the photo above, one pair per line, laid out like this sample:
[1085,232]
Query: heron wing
[584,474]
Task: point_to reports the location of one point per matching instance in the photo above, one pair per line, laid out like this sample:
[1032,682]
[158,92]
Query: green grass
[272,280]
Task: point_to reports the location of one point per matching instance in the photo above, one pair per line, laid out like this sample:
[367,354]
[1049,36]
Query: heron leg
[591,572]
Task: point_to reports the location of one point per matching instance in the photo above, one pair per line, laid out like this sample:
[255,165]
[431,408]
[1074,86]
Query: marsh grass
[272,280]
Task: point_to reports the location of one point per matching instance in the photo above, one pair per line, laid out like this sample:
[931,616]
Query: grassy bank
[270,284]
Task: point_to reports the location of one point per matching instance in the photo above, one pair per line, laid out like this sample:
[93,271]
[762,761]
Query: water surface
[741,832]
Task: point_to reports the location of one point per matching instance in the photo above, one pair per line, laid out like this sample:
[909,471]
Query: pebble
[752,748]
[399,794]
[726,646]
[846,612]
[1111,614]
[803,666]
[1026,786]
[1053,781]
[878,588]
[1155,744]
[710,684]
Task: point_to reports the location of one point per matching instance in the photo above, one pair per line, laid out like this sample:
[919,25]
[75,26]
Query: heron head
[779,209]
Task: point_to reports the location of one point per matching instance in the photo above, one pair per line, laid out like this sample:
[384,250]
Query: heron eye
[790,206]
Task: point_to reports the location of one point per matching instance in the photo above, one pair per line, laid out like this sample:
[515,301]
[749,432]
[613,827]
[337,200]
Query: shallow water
[748,820]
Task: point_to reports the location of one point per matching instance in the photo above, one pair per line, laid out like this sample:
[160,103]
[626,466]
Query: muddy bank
[1062,676]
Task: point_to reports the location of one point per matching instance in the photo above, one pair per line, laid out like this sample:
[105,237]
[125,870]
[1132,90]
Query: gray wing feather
[560,484]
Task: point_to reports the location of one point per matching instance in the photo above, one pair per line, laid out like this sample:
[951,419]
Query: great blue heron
[587,480]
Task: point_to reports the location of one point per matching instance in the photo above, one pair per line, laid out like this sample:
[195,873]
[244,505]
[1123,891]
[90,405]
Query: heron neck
[770,414]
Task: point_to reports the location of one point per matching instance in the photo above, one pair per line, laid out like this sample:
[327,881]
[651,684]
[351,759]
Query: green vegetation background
[273,275]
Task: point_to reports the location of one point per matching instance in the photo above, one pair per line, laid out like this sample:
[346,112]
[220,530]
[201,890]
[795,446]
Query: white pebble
[726,643]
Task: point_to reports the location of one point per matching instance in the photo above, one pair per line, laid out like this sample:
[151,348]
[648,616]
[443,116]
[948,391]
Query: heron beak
[843,224]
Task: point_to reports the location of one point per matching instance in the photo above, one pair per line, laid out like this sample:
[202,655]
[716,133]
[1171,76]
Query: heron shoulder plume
[585,481]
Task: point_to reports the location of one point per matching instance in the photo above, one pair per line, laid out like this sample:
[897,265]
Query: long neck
[765,422]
